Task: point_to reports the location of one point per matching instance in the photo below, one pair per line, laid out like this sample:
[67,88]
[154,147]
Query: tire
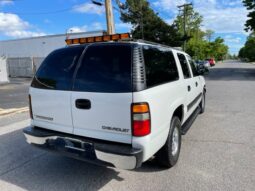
[202,104]
[168,155]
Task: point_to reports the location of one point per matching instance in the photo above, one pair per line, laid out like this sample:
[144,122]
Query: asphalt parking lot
[218,152]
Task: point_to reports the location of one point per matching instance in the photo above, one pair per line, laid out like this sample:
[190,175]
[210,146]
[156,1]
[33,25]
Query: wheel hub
[175,141]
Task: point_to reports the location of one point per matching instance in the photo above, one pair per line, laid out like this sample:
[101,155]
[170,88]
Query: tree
[199,44]
[148,25]
[250,23]
[248,51]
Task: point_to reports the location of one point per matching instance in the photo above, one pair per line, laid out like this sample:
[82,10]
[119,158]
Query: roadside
[14,96]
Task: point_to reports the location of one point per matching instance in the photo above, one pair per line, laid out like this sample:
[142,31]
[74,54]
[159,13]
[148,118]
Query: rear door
[51,90]
[102,95]
[188,80]
[196,84]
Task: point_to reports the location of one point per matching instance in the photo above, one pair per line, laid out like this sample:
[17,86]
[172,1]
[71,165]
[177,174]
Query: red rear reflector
[141,128]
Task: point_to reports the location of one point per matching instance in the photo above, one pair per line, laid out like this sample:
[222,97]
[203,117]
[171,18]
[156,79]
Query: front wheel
[168,155]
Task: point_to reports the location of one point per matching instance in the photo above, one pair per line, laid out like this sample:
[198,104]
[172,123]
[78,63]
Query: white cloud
[77,29]
[13,26]
[23,34]
[94,26]
[221,16]
[232,39]
[89,8]
[6,2]
[126,26]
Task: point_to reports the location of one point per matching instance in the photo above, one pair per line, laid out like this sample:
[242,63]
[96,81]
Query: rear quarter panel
[163,100]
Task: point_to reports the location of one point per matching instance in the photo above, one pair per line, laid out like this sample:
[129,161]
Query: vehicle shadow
[30,168]
[26,167]
[231,74]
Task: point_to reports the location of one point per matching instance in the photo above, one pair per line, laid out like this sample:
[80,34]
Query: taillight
[30,107]
[141,122]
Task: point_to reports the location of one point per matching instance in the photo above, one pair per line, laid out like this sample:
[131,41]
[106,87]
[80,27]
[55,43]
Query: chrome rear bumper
[119,155]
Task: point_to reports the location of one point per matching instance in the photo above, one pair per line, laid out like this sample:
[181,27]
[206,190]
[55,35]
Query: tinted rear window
[184,65]
[56,71]
[105,68]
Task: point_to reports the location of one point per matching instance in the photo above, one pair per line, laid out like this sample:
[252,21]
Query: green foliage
[250,23]
[148,25]
[199,45]
[248,51]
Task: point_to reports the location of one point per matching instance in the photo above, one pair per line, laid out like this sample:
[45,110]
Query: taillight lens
[30,107]
[141,123]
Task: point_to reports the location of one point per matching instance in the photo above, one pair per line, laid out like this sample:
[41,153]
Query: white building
[21,55]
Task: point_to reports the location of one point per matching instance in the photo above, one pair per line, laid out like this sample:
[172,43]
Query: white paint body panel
[52,104]
[107,109]
[163,100]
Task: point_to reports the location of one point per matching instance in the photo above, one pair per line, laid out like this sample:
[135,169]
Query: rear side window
[160,66]
[105,68]
[184,65]
[56,71]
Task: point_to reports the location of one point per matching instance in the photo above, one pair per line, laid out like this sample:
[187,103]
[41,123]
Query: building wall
[38,46]
[24,56]
[3,71]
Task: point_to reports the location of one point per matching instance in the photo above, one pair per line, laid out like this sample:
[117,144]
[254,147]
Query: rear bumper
[91,150]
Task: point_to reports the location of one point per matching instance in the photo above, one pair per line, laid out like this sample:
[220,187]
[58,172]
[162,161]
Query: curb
[13,111]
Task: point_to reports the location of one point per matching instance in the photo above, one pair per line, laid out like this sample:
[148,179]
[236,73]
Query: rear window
[105,68]
[56,71]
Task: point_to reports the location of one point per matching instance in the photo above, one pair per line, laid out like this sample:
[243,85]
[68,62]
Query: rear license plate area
[80,148]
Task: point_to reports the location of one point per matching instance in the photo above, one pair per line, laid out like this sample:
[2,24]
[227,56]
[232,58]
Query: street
[217,153]
[14,95]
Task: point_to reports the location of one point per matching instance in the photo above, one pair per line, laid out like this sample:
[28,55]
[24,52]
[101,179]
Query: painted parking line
[14,127]
[13,110]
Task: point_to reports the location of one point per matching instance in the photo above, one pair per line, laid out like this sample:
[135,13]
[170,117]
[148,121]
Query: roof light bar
[105,38]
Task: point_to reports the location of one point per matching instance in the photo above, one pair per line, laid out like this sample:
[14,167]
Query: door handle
[189,88]
[83,104]
[196,84]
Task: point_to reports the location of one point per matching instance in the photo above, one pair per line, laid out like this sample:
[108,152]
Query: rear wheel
[168,155]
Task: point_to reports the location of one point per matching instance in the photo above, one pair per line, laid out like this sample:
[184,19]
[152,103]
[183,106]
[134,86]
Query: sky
[29,18]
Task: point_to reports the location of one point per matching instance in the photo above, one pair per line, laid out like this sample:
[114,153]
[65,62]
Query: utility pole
[109,17]
[184,9]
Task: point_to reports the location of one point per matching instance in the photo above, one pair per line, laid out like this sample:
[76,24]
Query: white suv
[115,103]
